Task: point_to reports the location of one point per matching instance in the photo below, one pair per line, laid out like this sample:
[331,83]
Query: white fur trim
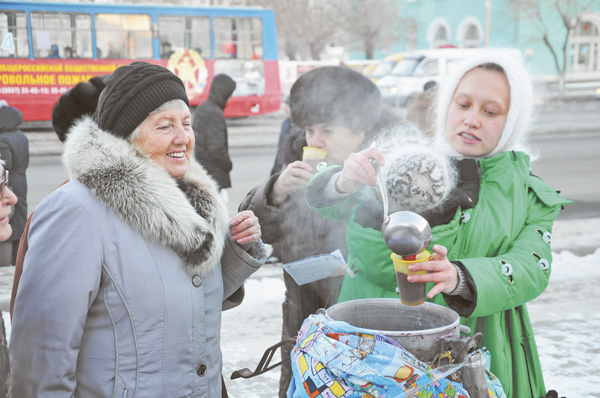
[147,197]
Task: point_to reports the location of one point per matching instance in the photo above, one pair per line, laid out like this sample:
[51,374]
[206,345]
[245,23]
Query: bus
[47,48]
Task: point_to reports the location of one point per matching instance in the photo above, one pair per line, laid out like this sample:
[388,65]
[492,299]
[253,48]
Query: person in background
[167,50]
[113,51]
[7,200]
[421,111]
[286,130]
[131,262]
[210,127]
[14,151]
[70,52]
[336,110]
[54,51]
[491,249]
[252,78]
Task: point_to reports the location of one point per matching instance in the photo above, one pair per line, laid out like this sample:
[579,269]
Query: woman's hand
[294,177]
[441,271]
[358,171]
[244,227]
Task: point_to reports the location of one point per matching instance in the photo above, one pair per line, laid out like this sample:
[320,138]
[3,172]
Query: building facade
[503,23]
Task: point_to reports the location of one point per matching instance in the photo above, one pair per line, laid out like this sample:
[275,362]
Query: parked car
[384,67]
[418,68]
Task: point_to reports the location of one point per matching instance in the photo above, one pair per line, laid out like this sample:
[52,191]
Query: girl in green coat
[491,237]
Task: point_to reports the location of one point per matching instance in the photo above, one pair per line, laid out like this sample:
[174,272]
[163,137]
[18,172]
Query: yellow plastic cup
[313,156]
[411,293]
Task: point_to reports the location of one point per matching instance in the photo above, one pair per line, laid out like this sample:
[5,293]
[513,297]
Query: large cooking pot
[416,328]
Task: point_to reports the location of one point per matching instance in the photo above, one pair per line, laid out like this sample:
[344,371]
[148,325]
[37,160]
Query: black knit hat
[132,92]
[335,95]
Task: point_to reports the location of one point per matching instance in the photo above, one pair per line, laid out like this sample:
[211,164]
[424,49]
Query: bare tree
[288,32]
[304,26]
[539,11]
[372,24]
[322,25]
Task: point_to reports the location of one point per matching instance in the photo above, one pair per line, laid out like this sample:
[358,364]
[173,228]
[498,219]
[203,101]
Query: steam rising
[417,177]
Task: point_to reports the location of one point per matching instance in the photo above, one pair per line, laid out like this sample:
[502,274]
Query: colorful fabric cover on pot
[332,359]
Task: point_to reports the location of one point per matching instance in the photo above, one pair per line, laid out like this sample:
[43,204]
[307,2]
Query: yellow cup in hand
[313,156]
[411,293]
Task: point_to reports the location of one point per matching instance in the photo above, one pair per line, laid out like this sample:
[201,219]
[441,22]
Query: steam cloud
[417,177]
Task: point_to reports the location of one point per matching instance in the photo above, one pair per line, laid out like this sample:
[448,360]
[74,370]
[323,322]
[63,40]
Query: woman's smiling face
[477,112]
[168,139]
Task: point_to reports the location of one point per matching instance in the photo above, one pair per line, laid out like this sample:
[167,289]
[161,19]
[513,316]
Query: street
[567,162]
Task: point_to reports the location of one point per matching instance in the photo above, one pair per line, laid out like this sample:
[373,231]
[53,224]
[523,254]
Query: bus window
[249,76]
[61,35]
[124,36]
[239,38]
[195,35]
[14,42]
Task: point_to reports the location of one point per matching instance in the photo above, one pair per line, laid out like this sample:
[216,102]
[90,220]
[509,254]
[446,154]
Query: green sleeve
[339,208]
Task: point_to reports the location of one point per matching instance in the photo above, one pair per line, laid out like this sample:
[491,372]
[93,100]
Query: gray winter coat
[122,286]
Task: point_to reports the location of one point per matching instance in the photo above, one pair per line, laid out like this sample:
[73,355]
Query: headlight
[393,89]
[598,91]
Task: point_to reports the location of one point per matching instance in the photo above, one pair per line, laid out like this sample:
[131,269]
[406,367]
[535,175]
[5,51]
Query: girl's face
[6,206]
[339,142]
[477,112]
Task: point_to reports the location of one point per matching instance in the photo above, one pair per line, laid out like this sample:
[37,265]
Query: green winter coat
[502,245]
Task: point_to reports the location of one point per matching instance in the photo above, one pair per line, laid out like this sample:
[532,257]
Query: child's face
[477,112]
[339,142]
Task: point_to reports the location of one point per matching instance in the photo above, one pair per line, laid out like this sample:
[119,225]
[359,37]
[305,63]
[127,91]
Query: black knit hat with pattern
[132,92]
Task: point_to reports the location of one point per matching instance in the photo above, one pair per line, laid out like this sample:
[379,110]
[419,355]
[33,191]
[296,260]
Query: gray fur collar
[186,214]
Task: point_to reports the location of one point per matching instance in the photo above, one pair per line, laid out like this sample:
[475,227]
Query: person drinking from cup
[491,238]
[337,111]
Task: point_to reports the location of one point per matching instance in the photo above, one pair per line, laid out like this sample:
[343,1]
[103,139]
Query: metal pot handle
[464,329]
[265,362]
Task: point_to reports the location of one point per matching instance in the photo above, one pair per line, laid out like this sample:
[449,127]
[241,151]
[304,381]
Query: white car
[416,69]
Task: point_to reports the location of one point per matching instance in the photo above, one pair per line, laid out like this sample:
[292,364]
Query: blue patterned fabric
[332,359]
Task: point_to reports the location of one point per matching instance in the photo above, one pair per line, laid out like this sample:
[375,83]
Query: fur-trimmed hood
[186,214]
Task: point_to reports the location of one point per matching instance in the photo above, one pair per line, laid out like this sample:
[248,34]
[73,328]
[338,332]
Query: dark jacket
[14,151]
[300,231]
[286,129]
[212,149]
[297,232]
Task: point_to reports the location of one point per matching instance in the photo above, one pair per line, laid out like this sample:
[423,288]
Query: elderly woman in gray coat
[130,263]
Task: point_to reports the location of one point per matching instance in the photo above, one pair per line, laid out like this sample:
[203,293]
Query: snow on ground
[565,320]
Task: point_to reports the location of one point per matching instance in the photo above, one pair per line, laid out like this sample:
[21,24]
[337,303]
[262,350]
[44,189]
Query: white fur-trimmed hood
[186,214]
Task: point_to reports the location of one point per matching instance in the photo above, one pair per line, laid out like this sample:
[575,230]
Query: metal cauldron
[416,328]
[425,331]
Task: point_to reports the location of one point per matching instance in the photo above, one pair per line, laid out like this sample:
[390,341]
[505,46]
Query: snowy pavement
[565,319]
